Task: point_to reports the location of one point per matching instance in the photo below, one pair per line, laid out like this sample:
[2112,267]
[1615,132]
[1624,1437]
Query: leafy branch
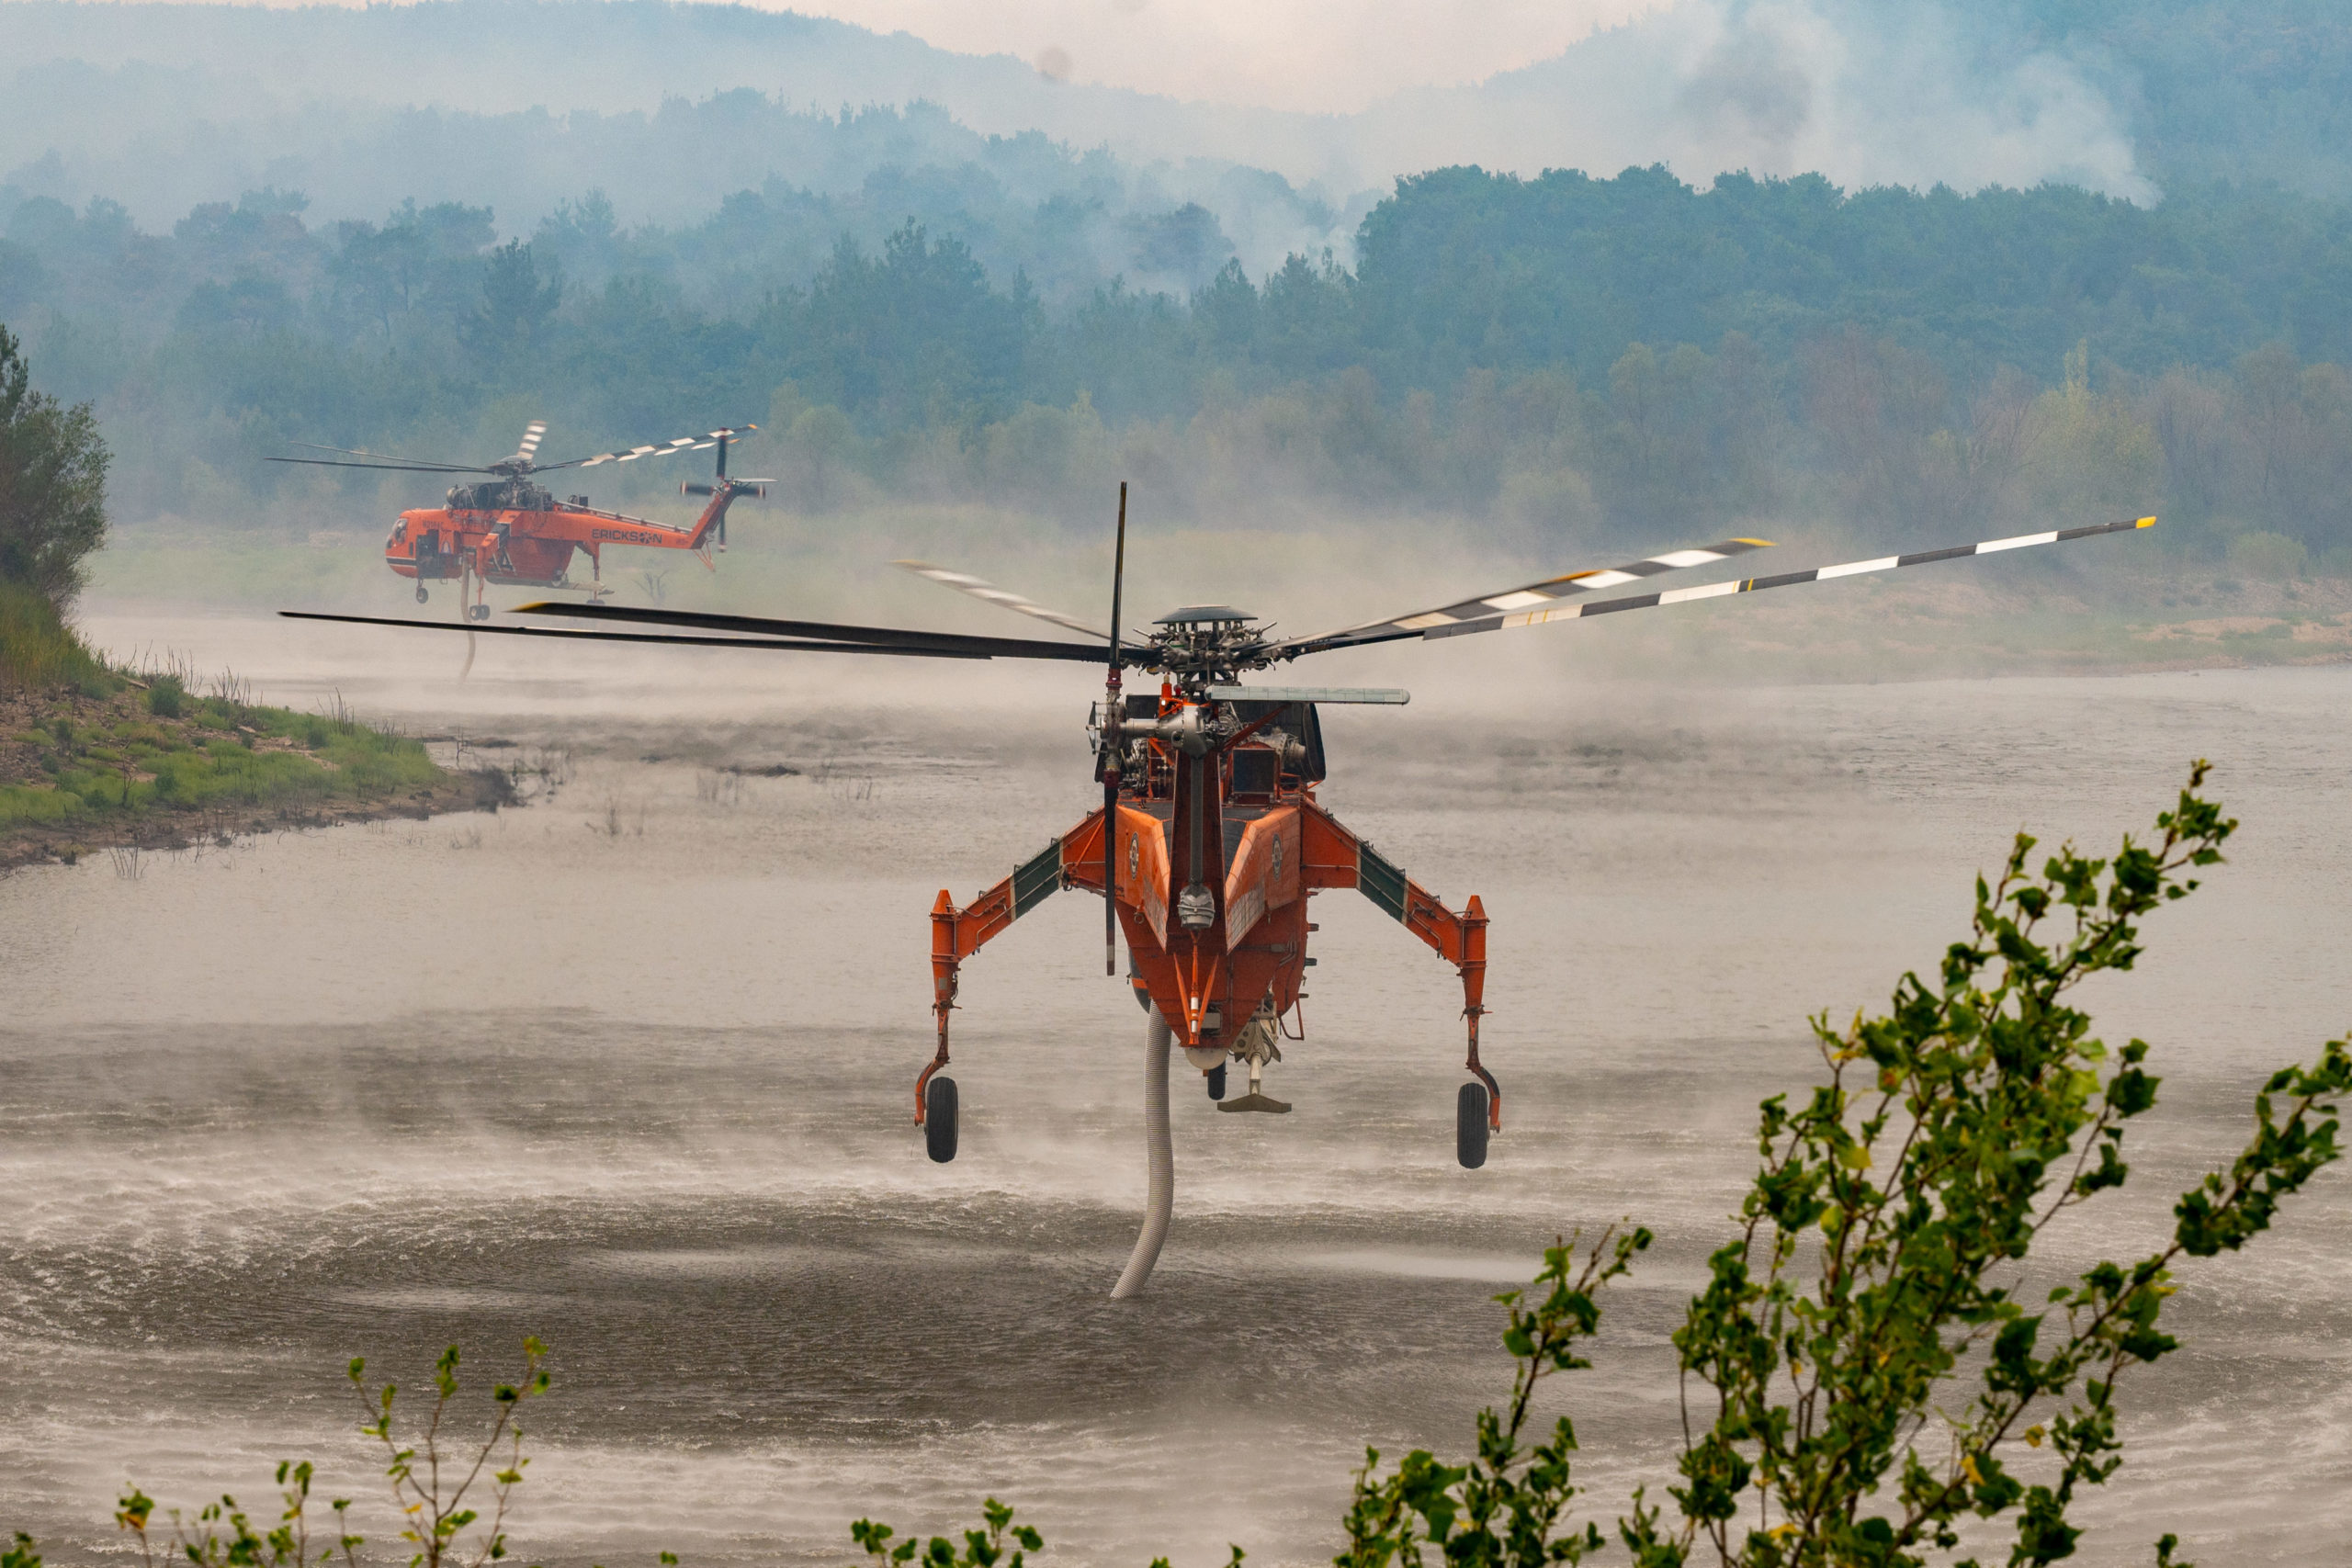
[982,1548]
[436,1512]
[1847,1303]
[1503,1508]
[221,1536]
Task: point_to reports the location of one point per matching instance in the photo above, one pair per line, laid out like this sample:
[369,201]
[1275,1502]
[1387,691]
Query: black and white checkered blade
[702,443]
[1572,585]
[1579,610]
[979,588]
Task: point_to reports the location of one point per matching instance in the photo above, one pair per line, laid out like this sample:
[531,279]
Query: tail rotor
[720,485]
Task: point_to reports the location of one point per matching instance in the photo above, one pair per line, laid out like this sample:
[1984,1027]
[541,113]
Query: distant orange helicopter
[511,532]
[1210,841]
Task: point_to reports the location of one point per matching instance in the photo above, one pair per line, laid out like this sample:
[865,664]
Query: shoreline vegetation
[93,757]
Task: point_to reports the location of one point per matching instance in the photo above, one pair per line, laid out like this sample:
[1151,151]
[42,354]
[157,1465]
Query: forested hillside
[1583,355]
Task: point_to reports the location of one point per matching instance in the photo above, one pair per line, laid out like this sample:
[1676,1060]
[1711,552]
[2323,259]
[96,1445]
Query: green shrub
[166,696]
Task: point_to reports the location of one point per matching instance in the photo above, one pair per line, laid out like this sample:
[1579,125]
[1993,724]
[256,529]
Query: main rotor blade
[382,457]
[1571,585]
[1786,580]
[980,588]
[580,635]
[880,637]
[391,468]
[663,449]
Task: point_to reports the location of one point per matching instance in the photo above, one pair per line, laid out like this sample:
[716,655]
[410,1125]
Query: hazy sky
[1294,54]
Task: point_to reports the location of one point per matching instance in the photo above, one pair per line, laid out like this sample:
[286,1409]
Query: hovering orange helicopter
[510,531]
[1209,840]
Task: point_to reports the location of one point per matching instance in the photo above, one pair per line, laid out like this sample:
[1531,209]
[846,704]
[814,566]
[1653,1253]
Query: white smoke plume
[1902,94]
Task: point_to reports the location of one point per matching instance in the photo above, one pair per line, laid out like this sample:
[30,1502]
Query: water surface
[629,1070]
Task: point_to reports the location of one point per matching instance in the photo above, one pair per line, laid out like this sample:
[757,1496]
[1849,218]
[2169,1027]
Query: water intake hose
[1159,1200]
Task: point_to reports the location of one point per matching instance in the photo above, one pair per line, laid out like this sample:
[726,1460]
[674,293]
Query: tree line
[1580,356]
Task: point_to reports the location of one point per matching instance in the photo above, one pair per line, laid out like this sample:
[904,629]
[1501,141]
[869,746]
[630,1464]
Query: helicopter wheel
[1470,1127]
[478,613]
[1216,1081]
[421,596]
[939,1119]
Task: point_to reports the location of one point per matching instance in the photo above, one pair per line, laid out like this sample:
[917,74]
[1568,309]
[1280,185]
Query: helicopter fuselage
[529,541]
[1218,845]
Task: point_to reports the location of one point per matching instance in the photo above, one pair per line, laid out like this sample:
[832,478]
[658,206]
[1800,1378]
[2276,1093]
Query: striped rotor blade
[533,434]
[1572,585]
[1786,580]
[658,448]
[980,588]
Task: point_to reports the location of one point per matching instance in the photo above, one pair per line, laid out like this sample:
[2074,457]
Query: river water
[628,1068]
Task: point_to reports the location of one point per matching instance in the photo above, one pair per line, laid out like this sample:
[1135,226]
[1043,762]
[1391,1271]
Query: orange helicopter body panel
[525,548]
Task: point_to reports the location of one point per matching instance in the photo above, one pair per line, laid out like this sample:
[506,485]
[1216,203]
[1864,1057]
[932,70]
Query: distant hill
[163,106]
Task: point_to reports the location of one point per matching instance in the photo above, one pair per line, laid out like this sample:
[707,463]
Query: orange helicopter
[510,531]
[1209,840]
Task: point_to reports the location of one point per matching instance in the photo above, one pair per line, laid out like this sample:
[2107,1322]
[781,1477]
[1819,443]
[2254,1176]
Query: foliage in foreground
[1865,1381]
[1863,1372]
[222,1535]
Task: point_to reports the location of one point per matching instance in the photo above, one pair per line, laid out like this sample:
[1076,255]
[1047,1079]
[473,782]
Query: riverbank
[110,761]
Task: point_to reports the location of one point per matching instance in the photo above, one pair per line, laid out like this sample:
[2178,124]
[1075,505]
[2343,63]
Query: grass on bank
[38,652]
[81,742]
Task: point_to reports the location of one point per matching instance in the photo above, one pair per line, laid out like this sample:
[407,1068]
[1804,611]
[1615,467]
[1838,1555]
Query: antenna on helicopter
[721,483]
[1114,711]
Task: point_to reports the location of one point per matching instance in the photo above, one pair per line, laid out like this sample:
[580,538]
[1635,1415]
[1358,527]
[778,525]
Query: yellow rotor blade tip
[1759,544]
[2146,523]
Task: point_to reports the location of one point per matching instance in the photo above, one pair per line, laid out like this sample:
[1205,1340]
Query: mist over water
[646,1093]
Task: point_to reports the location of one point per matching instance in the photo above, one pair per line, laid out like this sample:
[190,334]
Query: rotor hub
[1201,645]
